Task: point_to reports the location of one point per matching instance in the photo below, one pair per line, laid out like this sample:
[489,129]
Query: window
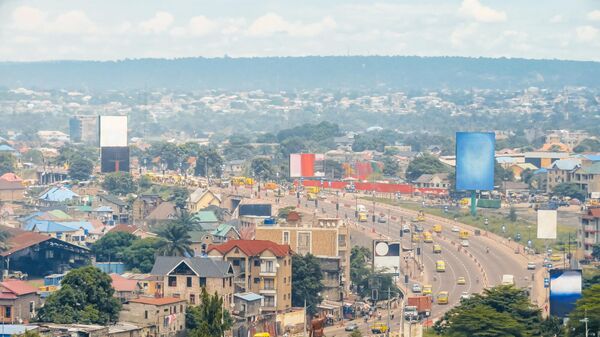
[146,314]
[268,267]
[181,308]
[230,281]
[31,307]
[257,263]
[286,238]
[269,301]
[7,312]
[269,284]
[236,263]
[203,281]
[192,299]
[172,281]
[189,282]
[256,280]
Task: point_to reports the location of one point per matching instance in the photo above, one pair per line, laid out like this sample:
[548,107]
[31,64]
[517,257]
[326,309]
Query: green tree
[34,156]
[111,246]
[176,240]
[209,319]
[30,333]
[587,306]
[140,254]
[390,166]
[356,333]
[119,183]
[81,168]
[425,164]
[569,190]
[211,159]
[180,197]
[359,269]
[145,182]
[7,163]
[171,155]
[481,320]
[262,168]
[512,214]
[85,296]
[501,174]
[307,282]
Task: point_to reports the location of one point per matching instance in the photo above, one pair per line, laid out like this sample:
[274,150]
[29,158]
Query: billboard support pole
[473,204]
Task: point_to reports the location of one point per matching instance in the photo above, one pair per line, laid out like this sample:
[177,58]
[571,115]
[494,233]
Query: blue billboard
[565,290]
[475,161]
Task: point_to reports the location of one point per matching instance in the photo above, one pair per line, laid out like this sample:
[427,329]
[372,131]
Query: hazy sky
[118,29]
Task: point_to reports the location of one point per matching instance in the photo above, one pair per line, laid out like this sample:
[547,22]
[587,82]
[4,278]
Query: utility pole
[305,317]
[388,312]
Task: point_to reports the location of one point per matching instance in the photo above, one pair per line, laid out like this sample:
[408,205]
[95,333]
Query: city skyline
[38,30]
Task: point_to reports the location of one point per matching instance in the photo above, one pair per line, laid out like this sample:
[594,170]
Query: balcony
[267,272]
[268,291]
[590,241]
[589,229]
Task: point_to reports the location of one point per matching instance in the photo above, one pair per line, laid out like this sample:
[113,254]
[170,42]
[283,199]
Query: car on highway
[442,297]
[351,327]
[437,249]
[455,229]
[416,288]
[379,327]
[415,238]
[427,237]
[464,243]
[440,266]
[427,289]
[555,257]
[461,280]
[437,228]
[418,228]
[530,265]
[465,295]
[381,219]
[405,228]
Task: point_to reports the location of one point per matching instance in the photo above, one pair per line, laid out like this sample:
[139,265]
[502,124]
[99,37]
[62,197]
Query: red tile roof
[123,228]
[18,287]
[157,300]
[595,212]
[21,239]
[252,247]
[10,177]
[120,283]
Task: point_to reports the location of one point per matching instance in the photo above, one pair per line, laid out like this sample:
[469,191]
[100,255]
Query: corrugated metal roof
[249,297]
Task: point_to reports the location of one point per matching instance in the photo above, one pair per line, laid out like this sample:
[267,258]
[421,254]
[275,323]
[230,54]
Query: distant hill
[289,73]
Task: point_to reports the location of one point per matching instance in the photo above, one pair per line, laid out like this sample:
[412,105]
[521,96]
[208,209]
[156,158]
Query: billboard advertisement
[307,165]
[113,131]
[386,256]
[565,290]
[114,159]
[546,224]
[475,161]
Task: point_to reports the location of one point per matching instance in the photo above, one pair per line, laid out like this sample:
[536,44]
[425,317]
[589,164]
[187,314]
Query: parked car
[416,288]
[455,229]
[351,327]
[464,243]
[530,265]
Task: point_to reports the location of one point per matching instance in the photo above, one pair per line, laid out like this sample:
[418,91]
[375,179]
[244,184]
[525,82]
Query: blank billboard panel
[307,165]
[475,161]
[565,290]
[386,256]
[113,131]
[256,210]
[546,224]
[114,159]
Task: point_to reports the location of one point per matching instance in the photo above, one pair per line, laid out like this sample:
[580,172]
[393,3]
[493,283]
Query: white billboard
[546,224]
[113,131]
[386,256]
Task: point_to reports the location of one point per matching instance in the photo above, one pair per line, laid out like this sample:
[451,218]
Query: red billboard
[307,165]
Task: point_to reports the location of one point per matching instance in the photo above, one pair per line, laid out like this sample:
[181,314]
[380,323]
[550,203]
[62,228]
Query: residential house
[328,239]
[11,191]
[202,239]
[166,314]
[143,205]
[587,177]
[137,231]
[75,232]
[202,198]
[246,311]
[589,232]
[560,172]
[163,213]
[125,289]
[234,167]
[150,285]
[58,195]
[262,267]
[184,277]
[518,169]
[438,180]
[38,255]
[120,209]
[19,301]
[206,220]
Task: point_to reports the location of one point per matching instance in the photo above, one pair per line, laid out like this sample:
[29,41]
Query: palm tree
[187,220]
[175,240]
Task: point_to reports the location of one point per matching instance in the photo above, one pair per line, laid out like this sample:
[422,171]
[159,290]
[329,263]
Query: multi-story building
[327,238]
[262,267]
[560,172]
[166,315]
[589,232]
[185,277]
[587,177]
[83,129]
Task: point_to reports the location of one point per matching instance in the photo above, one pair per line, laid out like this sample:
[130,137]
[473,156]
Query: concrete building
[19,302]
[202,198]
[589,232]
[560,172]
[262,267]
[587,177]
[83,129]
[185,277]
[327,238]
[544,159]
[166,314]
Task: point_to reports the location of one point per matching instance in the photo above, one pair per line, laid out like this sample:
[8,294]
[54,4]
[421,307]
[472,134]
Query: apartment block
[589,232]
